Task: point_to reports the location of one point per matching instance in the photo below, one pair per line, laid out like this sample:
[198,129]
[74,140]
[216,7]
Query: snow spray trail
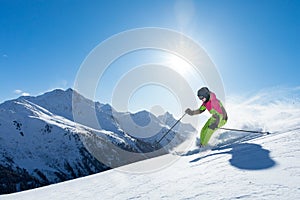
[274,110]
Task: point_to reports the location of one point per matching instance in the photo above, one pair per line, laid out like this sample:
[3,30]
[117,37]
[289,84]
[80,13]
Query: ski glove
[214,125]
[189,111]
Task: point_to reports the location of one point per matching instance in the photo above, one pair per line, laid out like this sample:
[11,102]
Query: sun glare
[178,64]
[185,69]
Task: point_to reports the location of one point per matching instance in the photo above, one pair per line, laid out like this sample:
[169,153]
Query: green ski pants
[207,132]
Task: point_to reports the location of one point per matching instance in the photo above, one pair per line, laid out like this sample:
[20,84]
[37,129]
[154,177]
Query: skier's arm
[198,111]
[195,112]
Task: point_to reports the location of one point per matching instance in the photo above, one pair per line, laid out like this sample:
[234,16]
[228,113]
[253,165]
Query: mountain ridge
[41,140]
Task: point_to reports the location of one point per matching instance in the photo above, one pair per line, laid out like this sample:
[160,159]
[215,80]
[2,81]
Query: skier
[215,107]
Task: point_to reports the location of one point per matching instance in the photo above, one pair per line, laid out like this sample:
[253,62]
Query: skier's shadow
[245,156]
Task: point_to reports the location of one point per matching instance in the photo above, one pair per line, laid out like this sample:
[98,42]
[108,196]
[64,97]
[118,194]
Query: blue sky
[255,44]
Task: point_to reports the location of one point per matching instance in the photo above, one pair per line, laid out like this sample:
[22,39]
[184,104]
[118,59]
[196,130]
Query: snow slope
[262,168]
[253,167]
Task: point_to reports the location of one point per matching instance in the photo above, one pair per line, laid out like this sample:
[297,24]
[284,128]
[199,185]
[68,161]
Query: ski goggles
[201,97]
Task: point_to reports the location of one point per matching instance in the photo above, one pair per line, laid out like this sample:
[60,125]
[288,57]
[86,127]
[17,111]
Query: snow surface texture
[253,167]
[263,168]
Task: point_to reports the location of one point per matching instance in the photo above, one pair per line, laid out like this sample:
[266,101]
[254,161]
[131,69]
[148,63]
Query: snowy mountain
[42,144]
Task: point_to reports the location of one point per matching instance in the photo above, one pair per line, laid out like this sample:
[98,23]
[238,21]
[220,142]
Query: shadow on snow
[245,156]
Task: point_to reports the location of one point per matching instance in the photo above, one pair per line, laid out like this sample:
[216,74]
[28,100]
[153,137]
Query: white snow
[264,168]
[257,167]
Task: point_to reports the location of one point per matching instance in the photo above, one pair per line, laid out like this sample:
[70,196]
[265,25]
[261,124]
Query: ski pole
[248,131]
[171,128]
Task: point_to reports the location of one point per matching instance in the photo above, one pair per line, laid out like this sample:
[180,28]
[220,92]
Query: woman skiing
[215,107]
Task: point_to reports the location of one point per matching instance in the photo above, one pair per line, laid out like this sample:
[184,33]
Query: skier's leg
[222,123]
[206,132]
[203,132]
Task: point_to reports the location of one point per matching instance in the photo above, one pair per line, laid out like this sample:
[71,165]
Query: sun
[187,70]
[178,64]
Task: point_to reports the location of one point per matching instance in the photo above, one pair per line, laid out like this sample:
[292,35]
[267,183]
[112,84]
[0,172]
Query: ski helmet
[204,93]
